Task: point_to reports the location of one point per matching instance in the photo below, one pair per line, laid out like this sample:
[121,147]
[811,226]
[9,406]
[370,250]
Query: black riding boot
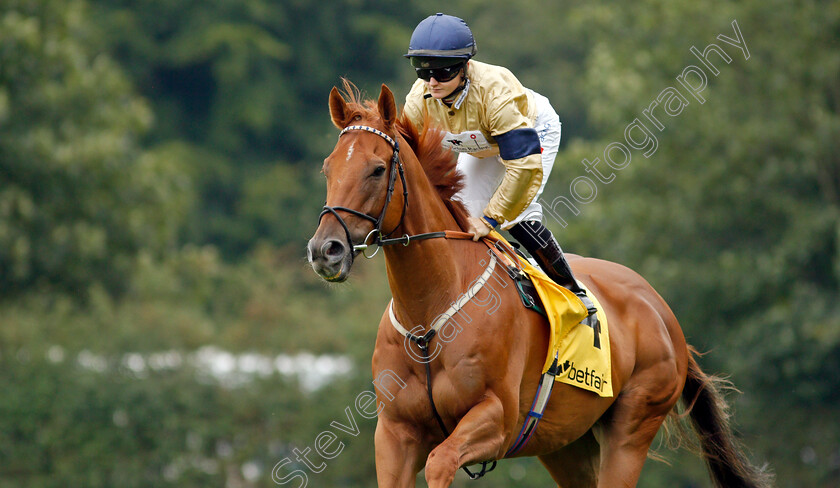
[541,245]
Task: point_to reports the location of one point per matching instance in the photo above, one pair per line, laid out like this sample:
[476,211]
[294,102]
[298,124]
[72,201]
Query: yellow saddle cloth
[583,352]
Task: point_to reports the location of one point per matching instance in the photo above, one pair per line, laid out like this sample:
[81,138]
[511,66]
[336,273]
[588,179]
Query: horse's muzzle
[330,258]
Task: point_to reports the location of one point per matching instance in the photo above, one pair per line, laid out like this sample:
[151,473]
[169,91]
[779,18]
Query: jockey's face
[442,89]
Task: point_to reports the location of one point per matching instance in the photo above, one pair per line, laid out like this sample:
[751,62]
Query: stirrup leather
[587,302]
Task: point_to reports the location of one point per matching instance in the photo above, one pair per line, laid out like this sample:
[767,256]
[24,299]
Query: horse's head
[361,177]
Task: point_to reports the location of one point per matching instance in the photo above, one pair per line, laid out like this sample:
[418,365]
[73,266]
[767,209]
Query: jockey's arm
[520,153]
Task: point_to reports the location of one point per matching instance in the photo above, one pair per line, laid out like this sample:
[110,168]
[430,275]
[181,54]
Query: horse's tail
[709,413]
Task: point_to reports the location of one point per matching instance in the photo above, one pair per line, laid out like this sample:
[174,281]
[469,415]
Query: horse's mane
[438,163]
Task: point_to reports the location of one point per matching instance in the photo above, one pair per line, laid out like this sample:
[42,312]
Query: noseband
[379,238]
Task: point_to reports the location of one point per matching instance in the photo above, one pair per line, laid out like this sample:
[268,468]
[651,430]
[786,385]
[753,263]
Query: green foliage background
[159,178]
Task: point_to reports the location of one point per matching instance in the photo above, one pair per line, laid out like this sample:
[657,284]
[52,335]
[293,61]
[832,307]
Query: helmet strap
[450,99]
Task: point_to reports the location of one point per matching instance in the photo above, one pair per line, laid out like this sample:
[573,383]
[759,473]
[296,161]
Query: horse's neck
[425,276]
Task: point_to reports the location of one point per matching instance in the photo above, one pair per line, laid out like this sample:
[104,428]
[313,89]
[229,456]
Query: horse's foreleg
[477,437]
[399,456]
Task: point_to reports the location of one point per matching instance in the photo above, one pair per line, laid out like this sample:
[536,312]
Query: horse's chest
[463,380]
[456,387]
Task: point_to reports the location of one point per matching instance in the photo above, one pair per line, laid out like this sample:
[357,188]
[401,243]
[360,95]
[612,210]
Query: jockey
[506,136]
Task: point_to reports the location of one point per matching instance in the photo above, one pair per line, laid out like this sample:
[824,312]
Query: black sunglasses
[440,74]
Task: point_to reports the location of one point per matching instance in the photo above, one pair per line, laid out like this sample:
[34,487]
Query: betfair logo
[586,376]
[565,367]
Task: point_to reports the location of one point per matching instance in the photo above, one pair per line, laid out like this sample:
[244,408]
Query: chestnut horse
[485,378]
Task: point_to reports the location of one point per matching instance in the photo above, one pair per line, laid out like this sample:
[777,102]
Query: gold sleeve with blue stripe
[520,151]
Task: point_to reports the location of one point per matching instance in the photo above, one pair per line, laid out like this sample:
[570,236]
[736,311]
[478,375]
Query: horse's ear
[387,106]
[338,108]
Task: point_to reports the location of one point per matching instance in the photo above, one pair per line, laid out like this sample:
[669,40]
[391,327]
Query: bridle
[378,237]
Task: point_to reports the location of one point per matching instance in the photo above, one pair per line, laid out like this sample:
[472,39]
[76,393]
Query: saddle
[578,341]
[524,285]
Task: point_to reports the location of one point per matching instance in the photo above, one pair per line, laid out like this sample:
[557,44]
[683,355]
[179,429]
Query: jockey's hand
[478,228]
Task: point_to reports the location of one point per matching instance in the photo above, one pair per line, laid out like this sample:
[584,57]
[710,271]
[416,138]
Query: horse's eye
[379,171]
[357,118]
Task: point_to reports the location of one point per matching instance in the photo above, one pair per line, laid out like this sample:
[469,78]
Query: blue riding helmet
[440,40]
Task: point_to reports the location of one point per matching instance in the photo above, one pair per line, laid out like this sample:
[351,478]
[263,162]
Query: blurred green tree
[78,197]
[237,86]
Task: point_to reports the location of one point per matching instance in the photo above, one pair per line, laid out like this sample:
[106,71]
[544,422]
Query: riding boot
[541,245]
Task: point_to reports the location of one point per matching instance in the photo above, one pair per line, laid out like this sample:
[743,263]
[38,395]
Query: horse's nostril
[333,249]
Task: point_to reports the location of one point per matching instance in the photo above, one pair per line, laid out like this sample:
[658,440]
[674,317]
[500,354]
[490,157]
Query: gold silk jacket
[493,103]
